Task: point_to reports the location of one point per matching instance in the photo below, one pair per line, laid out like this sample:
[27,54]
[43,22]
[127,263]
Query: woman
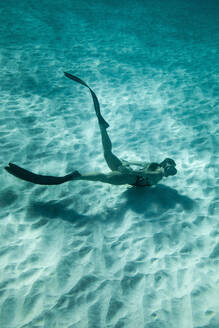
[121,171]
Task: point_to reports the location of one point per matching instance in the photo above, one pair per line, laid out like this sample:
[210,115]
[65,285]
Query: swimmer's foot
[26,175]
[74,175]
[102,122]
[94,97]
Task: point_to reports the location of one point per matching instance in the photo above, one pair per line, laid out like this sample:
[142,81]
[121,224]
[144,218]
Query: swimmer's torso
[148,175]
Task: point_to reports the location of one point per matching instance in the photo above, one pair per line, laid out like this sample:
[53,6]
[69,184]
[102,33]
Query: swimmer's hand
[26,175]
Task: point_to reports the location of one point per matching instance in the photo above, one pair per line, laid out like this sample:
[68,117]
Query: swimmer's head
[169,167]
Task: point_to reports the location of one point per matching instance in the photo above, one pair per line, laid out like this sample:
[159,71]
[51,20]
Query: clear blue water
[89,254]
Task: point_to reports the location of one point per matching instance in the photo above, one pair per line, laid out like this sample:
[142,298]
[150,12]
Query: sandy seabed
[92,255]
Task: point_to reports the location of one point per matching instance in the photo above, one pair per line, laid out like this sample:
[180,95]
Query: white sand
[92,255]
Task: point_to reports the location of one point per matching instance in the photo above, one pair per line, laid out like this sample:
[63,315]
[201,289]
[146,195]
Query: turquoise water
[93,255]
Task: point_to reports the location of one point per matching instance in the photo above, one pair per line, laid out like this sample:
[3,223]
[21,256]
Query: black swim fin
[95,100]
[26,175]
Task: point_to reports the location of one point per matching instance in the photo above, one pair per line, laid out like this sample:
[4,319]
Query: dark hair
[169,161]
[153,166]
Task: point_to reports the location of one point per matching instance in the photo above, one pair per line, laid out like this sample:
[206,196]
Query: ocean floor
[93,255]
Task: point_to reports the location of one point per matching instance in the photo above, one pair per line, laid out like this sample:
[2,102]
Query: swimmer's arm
[134,163]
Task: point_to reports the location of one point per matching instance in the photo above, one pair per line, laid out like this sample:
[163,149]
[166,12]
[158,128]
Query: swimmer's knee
[112,161]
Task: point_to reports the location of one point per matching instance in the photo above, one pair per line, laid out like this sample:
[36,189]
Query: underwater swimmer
[147,175]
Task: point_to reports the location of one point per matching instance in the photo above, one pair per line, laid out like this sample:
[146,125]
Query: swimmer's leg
[94,97]
[114,178]
[112,161]
[26,175]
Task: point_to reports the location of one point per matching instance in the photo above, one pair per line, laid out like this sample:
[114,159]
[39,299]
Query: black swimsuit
[139,180]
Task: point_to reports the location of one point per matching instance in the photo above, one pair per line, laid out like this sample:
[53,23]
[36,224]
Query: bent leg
[94,97]
[112,161]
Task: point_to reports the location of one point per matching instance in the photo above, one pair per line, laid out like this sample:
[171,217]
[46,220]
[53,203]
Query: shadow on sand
[161,196]
[56,210]
[147,201]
